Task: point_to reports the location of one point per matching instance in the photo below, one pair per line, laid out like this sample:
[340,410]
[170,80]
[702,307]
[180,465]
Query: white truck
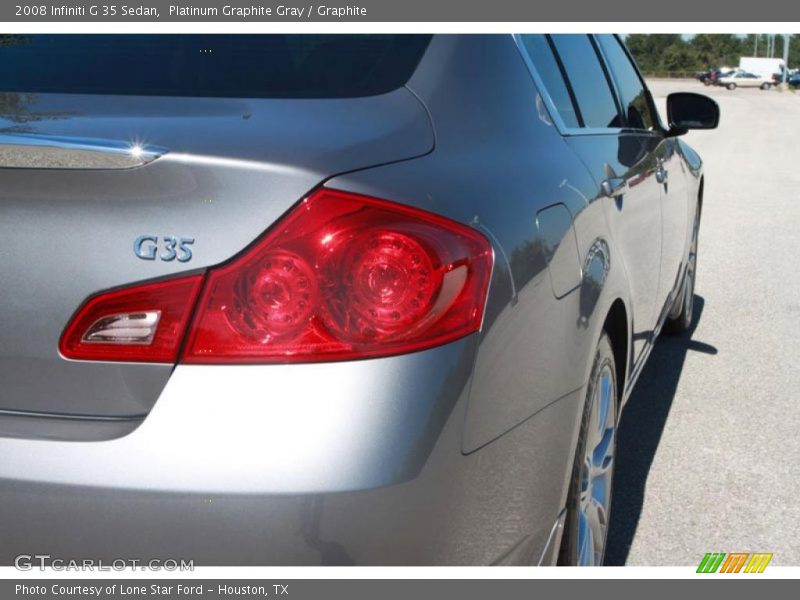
[765,67]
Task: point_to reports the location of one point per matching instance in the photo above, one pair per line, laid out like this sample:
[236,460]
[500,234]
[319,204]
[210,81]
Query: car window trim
[600,59]
[555,117]
[659,129]
[610,80]
[567,83]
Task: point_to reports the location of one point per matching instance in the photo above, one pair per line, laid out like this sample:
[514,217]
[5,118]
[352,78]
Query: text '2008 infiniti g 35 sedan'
[339,299]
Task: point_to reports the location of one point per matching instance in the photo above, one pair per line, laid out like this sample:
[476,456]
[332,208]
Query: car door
[642,116]
[749,80]
[623,162]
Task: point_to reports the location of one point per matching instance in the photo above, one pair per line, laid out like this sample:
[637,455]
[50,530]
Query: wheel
[731,86]
[679,319]
[765,86]
[589,499]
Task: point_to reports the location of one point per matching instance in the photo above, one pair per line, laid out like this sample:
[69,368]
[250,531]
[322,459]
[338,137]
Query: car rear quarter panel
[498,162]
[431,458]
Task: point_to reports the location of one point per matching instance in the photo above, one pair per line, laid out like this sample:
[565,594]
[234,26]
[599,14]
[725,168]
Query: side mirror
[686,111]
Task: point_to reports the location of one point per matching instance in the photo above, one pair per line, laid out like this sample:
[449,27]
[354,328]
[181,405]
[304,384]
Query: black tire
[731,86]
[602,367]
[765,86]
[680,318]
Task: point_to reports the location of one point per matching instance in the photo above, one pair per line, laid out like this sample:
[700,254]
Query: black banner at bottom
[371,589]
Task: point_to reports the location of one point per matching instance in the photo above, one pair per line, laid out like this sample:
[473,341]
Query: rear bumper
[267,429]
[362,466]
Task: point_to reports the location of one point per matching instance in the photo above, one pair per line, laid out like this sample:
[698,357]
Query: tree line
[660,54]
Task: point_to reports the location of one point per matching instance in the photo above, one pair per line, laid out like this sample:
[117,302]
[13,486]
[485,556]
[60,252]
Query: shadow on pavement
[640,432]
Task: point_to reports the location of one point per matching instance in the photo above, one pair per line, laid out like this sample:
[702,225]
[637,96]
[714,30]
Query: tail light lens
[344,276]
[145,323]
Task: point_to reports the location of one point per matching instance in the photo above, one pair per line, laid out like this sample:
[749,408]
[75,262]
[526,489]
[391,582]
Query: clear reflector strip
[124,328]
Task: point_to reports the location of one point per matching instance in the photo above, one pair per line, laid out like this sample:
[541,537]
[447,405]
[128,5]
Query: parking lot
[709,449]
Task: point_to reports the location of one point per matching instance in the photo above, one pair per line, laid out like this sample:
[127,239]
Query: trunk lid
[224,170]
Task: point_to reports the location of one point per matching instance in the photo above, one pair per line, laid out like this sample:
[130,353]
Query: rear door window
[252,66]
[541,55]
[588,80]
[635,101]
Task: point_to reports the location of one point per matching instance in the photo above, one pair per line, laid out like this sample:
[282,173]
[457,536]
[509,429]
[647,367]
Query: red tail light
[342,276]
[145,323]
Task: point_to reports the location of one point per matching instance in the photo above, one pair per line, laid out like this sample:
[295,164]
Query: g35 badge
[146,247]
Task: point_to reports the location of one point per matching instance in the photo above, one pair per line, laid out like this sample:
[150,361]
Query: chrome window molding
[555,117]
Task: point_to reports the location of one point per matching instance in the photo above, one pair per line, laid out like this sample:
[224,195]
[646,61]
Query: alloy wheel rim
[597,472]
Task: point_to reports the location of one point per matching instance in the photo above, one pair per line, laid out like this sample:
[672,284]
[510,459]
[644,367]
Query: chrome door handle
[613,186]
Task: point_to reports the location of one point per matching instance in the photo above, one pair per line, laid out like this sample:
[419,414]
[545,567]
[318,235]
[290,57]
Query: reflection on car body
[425,274]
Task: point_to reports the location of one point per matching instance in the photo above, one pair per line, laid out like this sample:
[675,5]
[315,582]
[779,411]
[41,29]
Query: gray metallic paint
[232,168]
[456,455]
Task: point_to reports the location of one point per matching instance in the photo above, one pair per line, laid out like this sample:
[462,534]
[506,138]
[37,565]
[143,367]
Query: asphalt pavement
[709,447]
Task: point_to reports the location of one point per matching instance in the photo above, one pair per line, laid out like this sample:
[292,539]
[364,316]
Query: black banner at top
[618,11]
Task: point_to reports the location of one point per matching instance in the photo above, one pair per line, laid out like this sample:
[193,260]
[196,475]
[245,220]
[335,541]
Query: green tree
[660,54]
[717,49]
[679,57]
[794,49]
[648,49]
